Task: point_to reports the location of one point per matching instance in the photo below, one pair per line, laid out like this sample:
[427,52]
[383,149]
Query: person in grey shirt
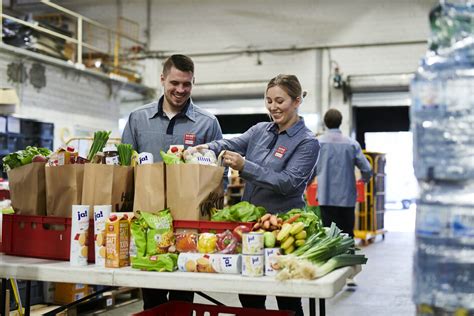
[335,174]
[280,157]
[172,120]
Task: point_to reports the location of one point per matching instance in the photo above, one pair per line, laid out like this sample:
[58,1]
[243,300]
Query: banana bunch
[291,236]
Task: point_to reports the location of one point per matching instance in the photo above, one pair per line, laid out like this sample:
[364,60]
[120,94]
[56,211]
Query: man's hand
[233,160]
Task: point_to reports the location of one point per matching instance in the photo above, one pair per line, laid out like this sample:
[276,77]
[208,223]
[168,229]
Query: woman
[279,159]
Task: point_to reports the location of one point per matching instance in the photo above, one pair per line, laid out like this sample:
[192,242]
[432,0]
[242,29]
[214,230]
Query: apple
[239,230]
[39,158]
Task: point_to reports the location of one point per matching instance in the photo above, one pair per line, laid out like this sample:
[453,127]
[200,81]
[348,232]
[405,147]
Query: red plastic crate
[186,308]
[312,193]
[40,237]
[206,226]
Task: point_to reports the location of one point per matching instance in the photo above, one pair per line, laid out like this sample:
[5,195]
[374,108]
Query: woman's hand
[233,160]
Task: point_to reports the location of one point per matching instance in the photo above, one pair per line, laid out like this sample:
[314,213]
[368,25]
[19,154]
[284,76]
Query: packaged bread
[79,235]
[101,213]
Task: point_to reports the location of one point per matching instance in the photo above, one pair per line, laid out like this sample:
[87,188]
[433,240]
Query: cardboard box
[66,293]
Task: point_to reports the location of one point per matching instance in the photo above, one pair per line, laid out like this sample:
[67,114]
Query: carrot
[292,219]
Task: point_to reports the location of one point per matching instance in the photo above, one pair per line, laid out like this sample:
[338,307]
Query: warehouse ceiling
[215,26]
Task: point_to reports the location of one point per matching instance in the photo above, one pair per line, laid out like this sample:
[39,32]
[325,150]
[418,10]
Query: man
[335,173]
[172,120]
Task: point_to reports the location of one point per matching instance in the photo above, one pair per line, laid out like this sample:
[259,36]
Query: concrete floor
[383,285]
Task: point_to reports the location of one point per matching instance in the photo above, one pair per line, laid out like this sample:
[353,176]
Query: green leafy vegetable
[23,157]
[240,212]
[170,159]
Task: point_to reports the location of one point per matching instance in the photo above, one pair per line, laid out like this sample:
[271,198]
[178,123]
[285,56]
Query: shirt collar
[187,111]
[293,130]
[334,130]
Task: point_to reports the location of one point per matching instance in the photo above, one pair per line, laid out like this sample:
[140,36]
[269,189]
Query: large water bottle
[444,257]
[442,122]
[442,111]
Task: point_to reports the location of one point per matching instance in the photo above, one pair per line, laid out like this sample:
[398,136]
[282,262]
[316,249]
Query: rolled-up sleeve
[362,163]
[299,167]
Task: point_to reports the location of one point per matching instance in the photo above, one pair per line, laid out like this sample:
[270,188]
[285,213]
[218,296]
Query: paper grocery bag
[28,189]
[149,188]
[192,190]
[63,188]
[108,184]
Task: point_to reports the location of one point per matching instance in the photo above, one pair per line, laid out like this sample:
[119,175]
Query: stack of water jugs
[442,122]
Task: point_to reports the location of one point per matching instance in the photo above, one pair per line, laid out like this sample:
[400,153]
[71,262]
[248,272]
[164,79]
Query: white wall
[74,101]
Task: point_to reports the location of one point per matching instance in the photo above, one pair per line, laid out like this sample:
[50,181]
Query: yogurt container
[252,244]
[145,158]
[101,213]
[79,235]
[252,265]
[271,255]
[211,263]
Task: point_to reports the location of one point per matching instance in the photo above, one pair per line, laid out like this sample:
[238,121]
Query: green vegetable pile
[100,139]
[240,212]
[23,157]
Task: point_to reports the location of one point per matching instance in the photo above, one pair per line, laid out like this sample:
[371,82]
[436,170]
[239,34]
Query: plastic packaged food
[186,241]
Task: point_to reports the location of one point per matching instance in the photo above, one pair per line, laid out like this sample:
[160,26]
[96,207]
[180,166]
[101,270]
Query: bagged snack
[79,235]
[117,241]
[160,232]
[161,263]
[101,213]
[226,242]
[207,243]
[186,241]
[138,231]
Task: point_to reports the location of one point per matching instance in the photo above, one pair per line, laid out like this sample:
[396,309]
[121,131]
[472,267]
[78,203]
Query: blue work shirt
[277,165]
[149,129]
[335,169]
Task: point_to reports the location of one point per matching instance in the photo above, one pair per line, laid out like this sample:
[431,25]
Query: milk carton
[101,213]
[79,235]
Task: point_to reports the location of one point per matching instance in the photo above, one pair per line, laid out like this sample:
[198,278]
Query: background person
[172,120]
[280,157]
[335,174]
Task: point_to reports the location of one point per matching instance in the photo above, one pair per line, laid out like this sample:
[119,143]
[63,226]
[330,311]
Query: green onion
[100,139]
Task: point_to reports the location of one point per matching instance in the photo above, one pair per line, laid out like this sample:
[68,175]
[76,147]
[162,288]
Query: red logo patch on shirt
[189,139]
[280,152]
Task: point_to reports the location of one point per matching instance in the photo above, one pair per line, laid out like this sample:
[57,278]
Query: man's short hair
[333,118]
[180,62]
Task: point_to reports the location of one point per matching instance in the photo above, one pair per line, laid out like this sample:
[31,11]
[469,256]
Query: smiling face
[177,86]
[282,107]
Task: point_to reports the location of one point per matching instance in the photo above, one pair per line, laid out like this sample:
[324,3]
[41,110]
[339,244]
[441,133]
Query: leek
[339,261]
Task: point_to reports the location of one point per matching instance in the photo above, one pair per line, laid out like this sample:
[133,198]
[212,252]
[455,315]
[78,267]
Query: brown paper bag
[149,188]
[28,189]
[63,189]
[108,184]
[192,190]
